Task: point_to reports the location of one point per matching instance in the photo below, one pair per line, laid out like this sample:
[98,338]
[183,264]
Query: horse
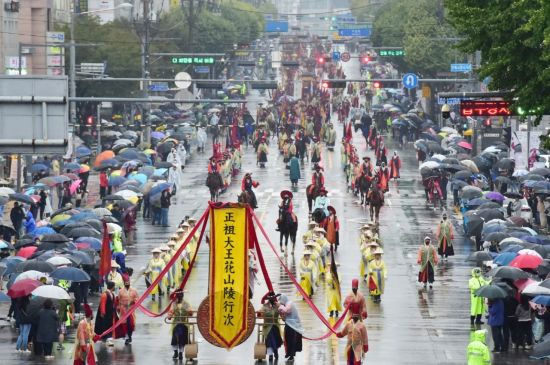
[246,197]
[318,216]
[287,228]
[376,201]
[214,182]
[363,184]
[312,192]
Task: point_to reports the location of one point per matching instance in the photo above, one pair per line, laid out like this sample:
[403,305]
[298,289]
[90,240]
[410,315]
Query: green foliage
[514,39]
[418,27]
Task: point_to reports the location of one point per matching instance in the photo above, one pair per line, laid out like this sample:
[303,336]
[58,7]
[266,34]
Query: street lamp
[72,58]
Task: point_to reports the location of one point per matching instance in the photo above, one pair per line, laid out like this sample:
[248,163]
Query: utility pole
[145,70]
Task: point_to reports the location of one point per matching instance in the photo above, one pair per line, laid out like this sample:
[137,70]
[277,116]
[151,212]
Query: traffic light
[323,59]
[487,123]
[376,85]
[328,84]
[90,120]
[365,59]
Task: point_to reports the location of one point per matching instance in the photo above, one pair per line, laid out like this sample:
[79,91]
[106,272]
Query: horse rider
[322,202]
[246,185]
[317,179]
[213,165]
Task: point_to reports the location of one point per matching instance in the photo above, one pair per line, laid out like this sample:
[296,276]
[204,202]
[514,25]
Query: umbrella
[70,273]
[526,251]
[27,252]
[31,274]
[526,262]
[159,188]
[43,231]
[490,205]
[113,197]
[83,232]
[496,236]
[139,177]
[82,257]
[491,292]
[56,237]
[102,212]
[23,288]
[506,164]
[496,196]
[5,191]
[540,240]
[163,165]
[116,180]
[38,167]
[41,266]
[158,135]
[545,283]
[25,242]
[471,192]
[535,289]
[147,170]
[513,195]
[503,180]
[465,145]
[542,171]
[508,272]
[479,256]
[463,175]
[4,245]
[21,198]
[541,350]
[59,261]
[470,165]
[476,202]
[504,258]
[72,166]
[513,248]
[82,151]
[51,291]
[521,284]
[429,165]
[110,163]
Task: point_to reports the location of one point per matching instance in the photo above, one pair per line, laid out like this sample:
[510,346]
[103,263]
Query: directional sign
[358,32]
[345,57]
[336,56]
[159,86]
[275,26]
[410,81]
[201,69]
[461,67]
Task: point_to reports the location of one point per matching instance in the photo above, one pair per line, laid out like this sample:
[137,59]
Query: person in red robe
[395,166]
[332,227]
[84,342]
[356,301]
[127,297]
[383,177]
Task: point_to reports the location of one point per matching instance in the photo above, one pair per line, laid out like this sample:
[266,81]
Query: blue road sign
[410,81]
[336,56]
[461,67]
[201,69]
[359,32]
[159,86]
[274,26]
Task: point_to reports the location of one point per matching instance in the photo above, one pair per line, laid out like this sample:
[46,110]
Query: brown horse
[214,182]
[312,192]
[247,197]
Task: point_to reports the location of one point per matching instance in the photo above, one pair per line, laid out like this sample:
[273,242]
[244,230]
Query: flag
[105,255]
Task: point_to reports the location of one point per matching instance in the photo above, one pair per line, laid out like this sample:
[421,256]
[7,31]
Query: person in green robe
[477,304]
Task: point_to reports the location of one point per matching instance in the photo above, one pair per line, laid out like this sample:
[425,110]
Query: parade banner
[228,285]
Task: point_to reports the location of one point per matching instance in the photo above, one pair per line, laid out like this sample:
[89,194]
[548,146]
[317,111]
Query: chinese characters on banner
[228,275]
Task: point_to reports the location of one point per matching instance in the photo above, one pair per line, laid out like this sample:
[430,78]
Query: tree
[419,27]
[514,40]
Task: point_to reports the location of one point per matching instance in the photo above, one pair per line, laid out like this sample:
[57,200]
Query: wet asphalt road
[410,325]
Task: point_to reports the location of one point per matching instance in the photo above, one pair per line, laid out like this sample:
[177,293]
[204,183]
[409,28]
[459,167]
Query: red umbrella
[27,252]
[23,288]
[521,284]
[465,144]
[526,262]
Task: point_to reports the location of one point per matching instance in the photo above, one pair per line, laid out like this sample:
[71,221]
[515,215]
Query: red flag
[105,255]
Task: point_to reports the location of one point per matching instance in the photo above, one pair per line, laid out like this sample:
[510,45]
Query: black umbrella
[55,237]
[435,147]
[503,180]
[463,175]
[541,350]
[473,226]
[491,292]
[542,171]
[59,211]
[508,272]
[533,177]
[94,223]
[482,163]
[469,194]
[165,147]
[544,268]
[41,266]
[46,246]
[479,256]
[71,274]
[113,197]
[24,242]
[459,183]
[513,195]
[163,165]
[83,232]
[451,161]
[452,167]
[69,227]
[496,236]
[489,214]
[83,257]
[506,164]
[21,198]
[489,205]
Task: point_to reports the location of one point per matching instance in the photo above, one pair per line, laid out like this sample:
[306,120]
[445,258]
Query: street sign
[461,67]
[481,108]
[193,60]
[182,80]
[159,86]
[273,26]
[391,52]
[448,101]
[345,57]
[336,56]
[92,67]
[55,37]
[410,81]
[357,32]
[34,114]
[201,69]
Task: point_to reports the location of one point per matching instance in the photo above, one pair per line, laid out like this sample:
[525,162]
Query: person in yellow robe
[154,267]
[377,275]
[165,255]
[308,273]
[334,296]
[175,270]
[308,235]
[367,250]
[324,248]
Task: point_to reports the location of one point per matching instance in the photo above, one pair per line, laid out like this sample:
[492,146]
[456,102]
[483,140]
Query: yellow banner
[228,275]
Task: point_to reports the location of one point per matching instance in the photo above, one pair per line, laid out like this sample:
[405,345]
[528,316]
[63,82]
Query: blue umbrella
[5,245]
[160,172]
[160,188]
[82,151]
[70,273]
[139,177]
[476,202]
[530,183]
[513,248]
[147,170]
[116,180]
[83,215]
[542,300]
[60,179]
[92,241]
[110,163]
[540,240]
[130,154]
[43,230]
[541,185]
[72,166]
[38,167]
[11,262]
[504,258]
[491,228]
